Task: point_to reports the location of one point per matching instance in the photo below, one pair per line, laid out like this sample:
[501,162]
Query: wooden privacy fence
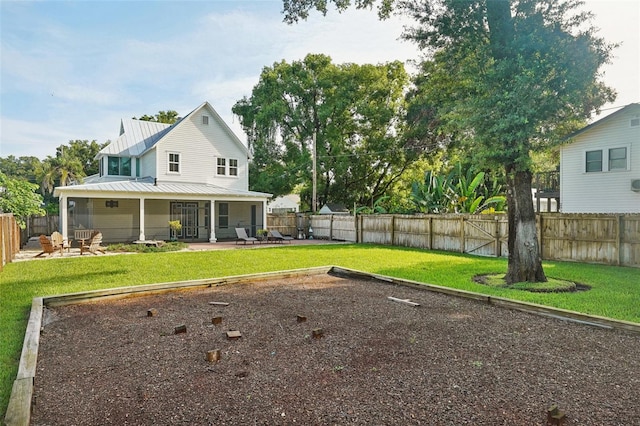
[592,238]
[9,238]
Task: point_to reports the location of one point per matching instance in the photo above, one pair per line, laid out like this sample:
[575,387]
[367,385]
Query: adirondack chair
[93,245]
[82,235]
[59,243]
[47,247]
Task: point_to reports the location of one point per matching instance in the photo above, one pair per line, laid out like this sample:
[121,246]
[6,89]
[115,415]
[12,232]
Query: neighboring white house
[600,166]
[195,171]
[284,204]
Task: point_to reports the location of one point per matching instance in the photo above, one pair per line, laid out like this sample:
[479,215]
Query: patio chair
[94,245]
[59,243]
[278,237]
[82,235]
[242,236]
[47,247]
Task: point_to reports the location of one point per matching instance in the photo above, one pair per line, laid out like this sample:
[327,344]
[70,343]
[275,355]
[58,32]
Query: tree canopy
[506,77]
[167,117]
[352,111]
[19,197]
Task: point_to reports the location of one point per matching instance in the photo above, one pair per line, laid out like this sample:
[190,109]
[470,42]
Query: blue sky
[72,69]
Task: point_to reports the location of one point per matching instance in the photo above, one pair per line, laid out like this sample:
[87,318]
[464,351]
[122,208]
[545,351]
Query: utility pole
[314,198]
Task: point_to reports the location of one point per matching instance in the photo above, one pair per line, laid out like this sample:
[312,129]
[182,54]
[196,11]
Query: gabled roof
[626,109]
[138,136]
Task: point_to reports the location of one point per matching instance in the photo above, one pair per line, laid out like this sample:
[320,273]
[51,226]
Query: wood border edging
[20,402]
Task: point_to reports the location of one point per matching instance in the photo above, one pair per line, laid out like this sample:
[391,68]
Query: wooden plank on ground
[405,301]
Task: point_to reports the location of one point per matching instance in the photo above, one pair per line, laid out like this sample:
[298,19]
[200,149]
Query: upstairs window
[205,120]
[174,162]
[594,161]
[119,166]
[222,166]
[233,167]
[618,159]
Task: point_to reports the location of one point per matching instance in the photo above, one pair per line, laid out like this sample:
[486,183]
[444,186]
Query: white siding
[148,164]
[607,191]
[199,146]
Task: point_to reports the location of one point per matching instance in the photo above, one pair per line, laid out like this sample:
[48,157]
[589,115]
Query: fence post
[540,238]
[619,239]
[496,233]
[430,223]
[355,226]
[393,229]
[461,234]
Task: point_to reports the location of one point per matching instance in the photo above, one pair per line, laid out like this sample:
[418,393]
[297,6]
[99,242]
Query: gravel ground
[450,361]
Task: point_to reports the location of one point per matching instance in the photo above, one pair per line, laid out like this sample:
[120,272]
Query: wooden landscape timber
[20,403]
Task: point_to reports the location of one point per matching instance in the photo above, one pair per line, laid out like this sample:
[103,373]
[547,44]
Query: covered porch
[126,216]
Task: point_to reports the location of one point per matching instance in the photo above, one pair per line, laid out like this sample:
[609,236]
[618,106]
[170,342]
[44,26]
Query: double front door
[187,214]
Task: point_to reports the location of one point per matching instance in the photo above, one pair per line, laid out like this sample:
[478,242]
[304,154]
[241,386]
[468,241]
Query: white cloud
[61,82]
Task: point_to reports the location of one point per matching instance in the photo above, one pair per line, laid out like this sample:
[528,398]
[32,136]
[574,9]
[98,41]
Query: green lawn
[615,291]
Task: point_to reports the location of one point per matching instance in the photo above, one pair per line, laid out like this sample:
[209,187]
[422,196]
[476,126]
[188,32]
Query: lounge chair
[278,237]
[94,245]
[59,243]
[242,236]
[47,247]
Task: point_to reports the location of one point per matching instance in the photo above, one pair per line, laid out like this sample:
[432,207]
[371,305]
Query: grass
[615,291]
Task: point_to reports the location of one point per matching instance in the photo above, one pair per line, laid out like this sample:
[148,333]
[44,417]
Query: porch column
[264,215]
[141,237]
[212,221]
[64,223]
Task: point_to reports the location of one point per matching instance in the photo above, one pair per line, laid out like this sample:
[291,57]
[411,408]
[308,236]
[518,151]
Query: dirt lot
[448,362]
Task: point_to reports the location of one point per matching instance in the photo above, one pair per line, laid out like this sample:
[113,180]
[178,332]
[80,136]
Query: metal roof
[136,136]
[147,186]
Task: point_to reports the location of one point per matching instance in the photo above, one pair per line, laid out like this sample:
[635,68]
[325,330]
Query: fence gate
[485,237]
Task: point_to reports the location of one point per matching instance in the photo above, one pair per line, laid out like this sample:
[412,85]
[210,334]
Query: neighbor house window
[594,161]
[174,162]
[223,215]
[205,120]
[233,167]
[222,166]
[618,159]
[119,166]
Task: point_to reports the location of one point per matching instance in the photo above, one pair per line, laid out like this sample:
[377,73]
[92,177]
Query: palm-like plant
[456,192]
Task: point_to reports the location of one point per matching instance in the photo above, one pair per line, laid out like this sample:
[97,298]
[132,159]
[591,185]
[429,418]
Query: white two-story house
[195,171]
[600,166]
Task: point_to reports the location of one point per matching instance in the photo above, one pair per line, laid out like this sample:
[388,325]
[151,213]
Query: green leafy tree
[19,197]
[83,151]
[353,113]
[167,117]
[511,77]
[23,167]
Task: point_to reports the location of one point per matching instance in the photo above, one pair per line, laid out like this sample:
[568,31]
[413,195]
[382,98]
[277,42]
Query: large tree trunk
[525,263]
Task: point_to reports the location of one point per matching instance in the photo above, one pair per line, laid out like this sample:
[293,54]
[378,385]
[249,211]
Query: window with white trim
[233,167]
[205,120]
[593,161]
[618,158]
[221,168]
[174,162]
